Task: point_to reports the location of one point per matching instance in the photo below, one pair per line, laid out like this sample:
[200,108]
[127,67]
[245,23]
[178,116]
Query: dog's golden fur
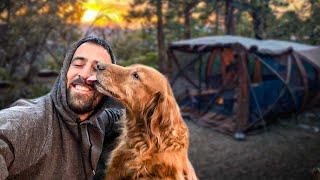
[154,141]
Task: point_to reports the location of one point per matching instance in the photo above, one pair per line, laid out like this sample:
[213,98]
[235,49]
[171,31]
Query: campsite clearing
[282,151]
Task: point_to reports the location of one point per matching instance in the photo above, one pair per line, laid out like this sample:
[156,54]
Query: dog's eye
[135,75]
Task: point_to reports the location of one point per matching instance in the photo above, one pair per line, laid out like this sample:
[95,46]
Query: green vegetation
[35,34]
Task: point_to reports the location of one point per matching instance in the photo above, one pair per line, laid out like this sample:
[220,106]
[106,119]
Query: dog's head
[138,87]
[148,97]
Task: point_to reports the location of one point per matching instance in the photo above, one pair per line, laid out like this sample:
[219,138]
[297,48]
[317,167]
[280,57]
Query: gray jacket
[44,139]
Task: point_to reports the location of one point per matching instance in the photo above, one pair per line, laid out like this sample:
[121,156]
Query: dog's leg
[188,171]
[116,166]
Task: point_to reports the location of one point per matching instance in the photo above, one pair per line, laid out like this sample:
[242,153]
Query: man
[60,135]
[63,134]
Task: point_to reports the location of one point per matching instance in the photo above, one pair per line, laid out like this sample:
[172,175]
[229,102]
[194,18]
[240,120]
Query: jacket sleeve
[22,138]
[6,158]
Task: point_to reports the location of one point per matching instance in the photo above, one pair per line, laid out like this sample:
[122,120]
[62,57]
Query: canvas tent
[234,83]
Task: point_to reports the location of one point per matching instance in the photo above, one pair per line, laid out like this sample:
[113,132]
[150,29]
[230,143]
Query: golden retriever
[154,142]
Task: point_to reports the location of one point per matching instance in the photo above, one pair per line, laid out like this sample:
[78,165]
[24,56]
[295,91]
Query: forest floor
[286,149]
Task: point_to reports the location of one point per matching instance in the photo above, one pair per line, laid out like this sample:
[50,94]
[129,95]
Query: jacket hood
[59,91]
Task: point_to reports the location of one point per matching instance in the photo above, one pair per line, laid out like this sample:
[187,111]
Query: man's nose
[86,72]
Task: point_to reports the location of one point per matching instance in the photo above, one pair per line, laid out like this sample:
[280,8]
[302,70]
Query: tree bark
[186,16]
[229,18]
[217,17]
[4,38]
[187,11]
[256,24]
[160,37]
[34,55]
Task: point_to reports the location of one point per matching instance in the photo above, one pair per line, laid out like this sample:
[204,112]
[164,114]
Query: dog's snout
[100,66]
[91,80]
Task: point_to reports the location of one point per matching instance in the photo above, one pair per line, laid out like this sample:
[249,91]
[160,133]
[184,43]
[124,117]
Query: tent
[235,83]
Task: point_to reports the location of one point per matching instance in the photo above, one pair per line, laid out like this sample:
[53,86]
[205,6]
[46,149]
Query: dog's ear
[158,98]
[163,119]
[153,115]
[151,107]
[160,115]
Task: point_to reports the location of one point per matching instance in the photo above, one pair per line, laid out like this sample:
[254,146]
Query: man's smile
[82,88]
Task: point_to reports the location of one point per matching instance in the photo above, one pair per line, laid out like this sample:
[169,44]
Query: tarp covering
[312,54]
[263,46]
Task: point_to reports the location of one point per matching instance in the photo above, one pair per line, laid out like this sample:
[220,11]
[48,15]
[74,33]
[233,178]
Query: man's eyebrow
[78,58]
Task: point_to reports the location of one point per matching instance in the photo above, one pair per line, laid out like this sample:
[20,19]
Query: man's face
[81,96]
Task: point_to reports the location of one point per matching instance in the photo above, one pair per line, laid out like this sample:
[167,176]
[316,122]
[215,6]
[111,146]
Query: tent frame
[245,85]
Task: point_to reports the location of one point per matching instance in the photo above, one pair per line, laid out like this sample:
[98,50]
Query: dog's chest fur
[140,155]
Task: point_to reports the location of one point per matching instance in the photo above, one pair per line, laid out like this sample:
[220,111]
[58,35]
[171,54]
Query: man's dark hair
[100,42]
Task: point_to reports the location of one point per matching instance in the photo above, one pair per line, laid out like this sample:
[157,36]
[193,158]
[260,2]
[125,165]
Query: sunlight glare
[105,13]
[89,16]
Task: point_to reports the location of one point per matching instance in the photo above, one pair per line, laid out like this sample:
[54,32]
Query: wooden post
[211,61]
[304,77]
[242,91]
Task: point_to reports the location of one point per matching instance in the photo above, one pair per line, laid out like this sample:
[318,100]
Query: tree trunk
[160,37]
[4,28]
[187,11]
[259,15]
[229,18]
[186,15]
[256,25]
[217,17]
[34,55]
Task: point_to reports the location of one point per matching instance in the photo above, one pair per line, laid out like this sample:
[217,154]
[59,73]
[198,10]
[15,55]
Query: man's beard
[82,104]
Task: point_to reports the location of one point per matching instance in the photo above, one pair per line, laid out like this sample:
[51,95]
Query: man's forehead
[90,51]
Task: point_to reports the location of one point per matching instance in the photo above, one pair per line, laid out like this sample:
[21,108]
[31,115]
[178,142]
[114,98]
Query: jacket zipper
[90,153]
[81,149]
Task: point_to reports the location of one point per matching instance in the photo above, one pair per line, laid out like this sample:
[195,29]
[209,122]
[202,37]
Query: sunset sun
[105,12]
[89,16]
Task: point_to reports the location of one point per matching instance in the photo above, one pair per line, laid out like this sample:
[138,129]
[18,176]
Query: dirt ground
[284,150]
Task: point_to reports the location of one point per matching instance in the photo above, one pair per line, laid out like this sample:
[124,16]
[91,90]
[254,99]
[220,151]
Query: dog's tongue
[91,80]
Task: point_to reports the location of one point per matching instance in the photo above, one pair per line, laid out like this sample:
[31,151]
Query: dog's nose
[100,66]
[91,80]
